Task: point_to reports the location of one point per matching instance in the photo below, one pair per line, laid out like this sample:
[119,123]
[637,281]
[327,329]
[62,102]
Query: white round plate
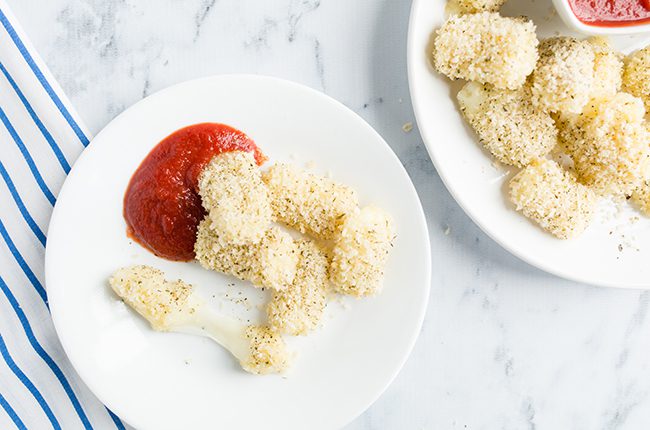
[172,381]
[614,251]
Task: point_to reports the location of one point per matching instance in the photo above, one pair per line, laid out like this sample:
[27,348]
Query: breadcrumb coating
[146,290]
[608,68]
[235,197]
[269,263]
[636,75]
[307,202]
[268,352]
[487,48]
[641,197]
[474,6]
[507,123]
[608,143]
[568,132]
[298,309]
[360,252]
[552,197]
[563,78]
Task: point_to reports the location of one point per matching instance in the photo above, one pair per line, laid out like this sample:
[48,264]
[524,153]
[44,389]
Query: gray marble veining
[504,346]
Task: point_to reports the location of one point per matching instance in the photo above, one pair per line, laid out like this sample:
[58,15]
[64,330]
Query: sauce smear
[162,207]
[611,13]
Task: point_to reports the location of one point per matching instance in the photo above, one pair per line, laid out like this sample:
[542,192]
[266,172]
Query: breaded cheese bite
[298,309]
[636,75]
[507,124]
[310,203]
[271,262]
[235,197]
[473,6]
[162,303]
[360,252]
[553,198]
[608,68]
[267,351]
[172,306]
[487,48]
[608,143]
[563,79]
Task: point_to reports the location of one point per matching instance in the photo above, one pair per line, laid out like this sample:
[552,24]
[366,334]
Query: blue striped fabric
[40,137]
[12,414]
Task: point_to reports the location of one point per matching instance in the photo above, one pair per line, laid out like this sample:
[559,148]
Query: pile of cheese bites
[343,248]
[532,101]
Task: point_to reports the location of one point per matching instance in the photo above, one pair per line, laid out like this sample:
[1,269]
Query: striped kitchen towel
[40,137]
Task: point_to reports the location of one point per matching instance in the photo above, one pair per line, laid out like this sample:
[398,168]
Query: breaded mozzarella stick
[175,307]
[360,252]
[235,198]
[310,203]
[271,262]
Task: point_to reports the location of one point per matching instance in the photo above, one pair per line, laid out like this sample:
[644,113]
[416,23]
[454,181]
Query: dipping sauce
[162,207]
[611,13]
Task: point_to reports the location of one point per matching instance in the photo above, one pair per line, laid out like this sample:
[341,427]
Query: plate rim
[420,216]
[494,234]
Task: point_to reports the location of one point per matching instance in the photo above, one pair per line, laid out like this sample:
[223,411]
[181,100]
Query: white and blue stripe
[40,137]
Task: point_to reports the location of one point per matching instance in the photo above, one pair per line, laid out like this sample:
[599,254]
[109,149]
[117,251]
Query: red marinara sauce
[162,207]
[611,13]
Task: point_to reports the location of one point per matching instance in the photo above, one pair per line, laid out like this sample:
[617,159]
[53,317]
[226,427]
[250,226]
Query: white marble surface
[504,346]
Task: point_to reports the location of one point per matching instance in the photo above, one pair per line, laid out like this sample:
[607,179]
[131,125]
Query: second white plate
[614,251]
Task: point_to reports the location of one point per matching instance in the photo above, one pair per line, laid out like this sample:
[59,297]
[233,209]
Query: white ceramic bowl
[570,19]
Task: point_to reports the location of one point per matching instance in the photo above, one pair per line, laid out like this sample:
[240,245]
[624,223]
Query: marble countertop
[504,345]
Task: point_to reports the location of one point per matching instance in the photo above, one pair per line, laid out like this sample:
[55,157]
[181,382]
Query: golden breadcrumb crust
[608,68]
[553,198]
[487,48]
[564,75]
[636,75]
[145,290]
[473,6]
[507,123]
[360,252]
[269,263]
[298,309]
[268,352]
[310,203]
[608,143]
[235,197]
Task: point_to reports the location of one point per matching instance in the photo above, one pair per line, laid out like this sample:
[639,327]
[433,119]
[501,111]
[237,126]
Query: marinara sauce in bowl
[605,16]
